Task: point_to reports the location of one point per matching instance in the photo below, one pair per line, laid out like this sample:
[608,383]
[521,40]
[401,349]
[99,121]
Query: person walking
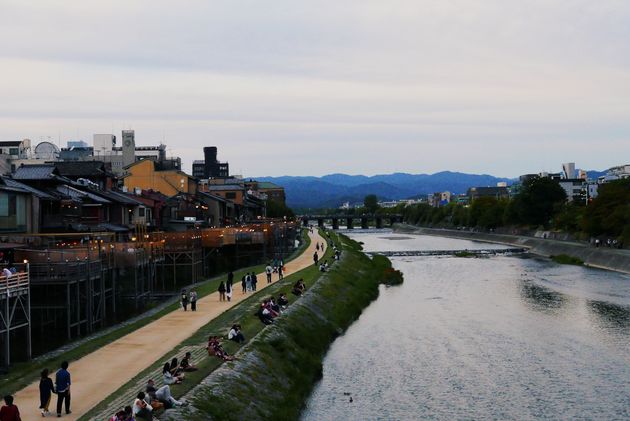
[62,382]
[228,290]
[254,281]
[244,283]
[315,258]
[248,282]
[222,291]
[281,270]
[46,389]
[268,271]
[193,300]
[184,300]
[317,246]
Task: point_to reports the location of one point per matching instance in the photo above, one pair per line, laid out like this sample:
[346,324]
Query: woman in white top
[141,409]
[168,377]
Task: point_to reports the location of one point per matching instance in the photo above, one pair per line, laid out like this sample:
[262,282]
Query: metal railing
[17,280]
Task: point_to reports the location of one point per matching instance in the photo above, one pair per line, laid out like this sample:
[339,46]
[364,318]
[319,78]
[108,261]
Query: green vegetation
[370,202]
[277,209]
[23,374]
[565,259]
[276,371]
[541,203]
[464,253]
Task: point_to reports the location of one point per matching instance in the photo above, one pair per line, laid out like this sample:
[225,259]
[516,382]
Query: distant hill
[334,189]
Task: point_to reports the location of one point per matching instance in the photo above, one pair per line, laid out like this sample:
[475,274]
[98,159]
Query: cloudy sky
[288,87]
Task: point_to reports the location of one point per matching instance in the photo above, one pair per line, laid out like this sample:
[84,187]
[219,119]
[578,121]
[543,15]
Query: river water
[497,338]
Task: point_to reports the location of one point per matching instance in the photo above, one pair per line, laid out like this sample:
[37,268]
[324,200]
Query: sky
[285,87]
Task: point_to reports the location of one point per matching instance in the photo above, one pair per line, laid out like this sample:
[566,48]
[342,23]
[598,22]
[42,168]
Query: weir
[482,252]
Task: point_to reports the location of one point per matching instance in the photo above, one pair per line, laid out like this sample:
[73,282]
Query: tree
[538,201]
[371,203]
[609,212]
[277,209]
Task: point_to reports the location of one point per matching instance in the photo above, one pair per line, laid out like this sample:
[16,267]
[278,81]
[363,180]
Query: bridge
[365,220]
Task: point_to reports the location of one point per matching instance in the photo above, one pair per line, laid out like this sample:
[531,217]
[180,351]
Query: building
[147,174]
[568,170]
[210,167]
[575,188]
[495,192]
[267,190]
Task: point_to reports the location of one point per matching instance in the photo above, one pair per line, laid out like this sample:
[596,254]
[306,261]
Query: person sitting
[299,288]
[150,395]
[264,314]
[269,306]
[163,394]
[185,365]
[322,268]
[214,348]
[176,370]
[141,409]
[236,335]
[282,301]
[168,377]
[120,416]
[275,307]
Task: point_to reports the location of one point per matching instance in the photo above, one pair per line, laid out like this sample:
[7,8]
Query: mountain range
[334,189]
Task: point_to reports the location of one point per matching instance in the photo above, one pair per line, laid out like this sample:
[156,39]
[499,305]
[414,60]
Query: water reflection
[611,315]
[498,338]
[541,298]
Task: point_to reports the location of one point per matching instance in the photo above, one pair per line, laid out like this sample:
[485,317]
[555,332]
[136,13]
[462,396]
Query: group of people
[189,297]
[249,282]
[271,308]
[153,398]
[61,388]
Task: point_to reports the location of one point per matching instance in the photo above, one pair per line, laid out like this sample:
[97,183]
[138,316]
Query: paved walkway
[103,372]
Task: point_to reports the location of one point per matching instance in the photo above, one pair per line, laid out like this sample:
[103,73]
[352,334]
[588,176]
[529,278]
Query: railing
[17,280]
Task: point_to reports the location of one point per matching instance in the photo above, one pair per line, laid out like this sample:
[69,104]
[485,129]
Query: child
[46,390]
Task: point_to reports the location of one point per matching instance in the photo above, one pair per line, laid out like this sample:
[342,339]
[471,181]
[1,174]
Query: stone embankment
[599,257]
[275,373]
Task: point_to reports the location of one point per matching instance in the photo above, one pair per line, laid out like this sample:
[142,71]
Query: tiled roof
[10,143]
[35,172]
[15,184]
[80,168]
[77,194]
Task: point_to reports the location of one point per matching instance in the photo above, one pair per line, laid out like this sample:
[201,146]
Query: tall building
[568,170]
[210,167]
[128,147]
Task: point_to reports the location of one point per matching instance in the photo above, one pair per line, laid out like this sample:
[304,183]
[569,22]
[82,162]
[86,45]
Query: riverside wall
[275,372]
[599,257]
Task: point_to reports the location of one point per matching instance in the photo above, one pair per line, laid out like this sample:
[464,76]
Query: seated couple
[299,287]
[268,310]
[215,349]
[236,335]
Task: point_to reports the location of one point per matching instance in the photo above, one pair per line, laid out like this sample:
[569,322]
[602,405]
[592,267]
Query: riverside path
[101,373]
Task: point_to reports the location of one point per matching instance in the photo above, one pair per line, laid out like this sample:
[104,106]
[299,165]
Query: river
[506,337]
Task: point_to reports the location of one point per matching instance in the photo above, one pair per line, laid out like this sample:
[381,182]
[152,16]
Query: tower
[128,147]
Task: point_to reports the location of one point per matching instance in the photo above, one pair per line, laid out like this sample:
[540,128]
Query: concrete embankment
[275,373]
[600,257]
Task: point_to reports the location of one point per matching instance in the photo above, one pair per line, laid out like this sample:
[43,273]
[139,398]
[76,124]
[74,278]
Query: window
[14,151]
[12,212]
[230,195]
[141,212]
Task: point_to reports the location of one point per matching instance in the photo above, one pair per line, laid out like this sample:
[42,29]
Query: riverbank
[276,371]
[598,257]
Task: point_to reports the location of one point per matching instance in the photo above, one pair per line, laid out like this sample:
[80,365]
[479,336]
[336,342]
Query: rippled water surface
[483,338]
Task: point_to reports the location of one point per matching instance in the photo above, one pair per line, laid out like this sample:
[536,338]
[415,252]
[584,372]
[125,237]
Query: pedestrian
[46,390]
[317,246]
[244,283]
[254,281]
[193,300]
[184,300]
[62,383]
[248,282]
[230,279]
[228,290]
[281,271]
[222,291]
[315,258]
[268,271]
[9,412]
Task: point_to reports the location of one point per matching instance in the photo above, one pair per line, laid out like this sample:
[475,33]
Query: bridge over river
[365,220]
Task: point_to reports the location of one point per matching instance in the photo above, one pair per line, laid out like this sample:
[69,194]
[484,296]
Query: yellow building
[145,175]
